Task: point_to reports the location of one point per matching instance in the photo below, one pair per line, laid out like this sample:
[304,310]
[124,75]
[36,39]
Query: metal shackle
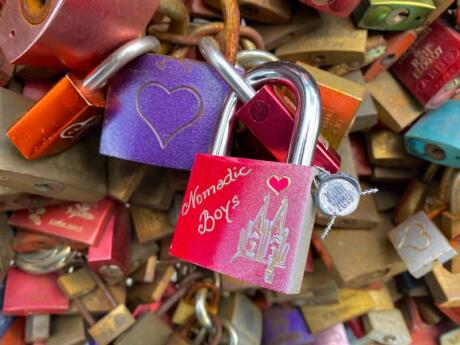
[248,59]
[97,78]
[308,112]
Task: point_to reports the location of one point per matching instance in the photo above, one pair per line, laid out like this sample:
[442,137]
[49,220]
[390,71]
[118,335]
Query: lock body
[444,286]
[79,222]
[150,224]
[56,121]
[66,330]
[392,16]
[54,33]
[124,177]
[110,256]
[284,325]
[154,191]
[148,326]
[338,8]
[435,138]
[431,67]
[175,116]
[387,327]
[12,200]
[334,41]
[27,294]
[229,237]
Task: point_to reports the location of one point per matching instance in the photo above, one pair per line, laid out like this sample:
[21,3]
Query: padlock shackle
[248,59]
[308,112]
[209,48]
[97,78]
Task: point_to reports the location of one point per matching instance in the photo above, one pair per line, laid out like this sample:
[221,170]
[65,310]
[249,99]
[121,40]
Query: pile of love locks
[236,172]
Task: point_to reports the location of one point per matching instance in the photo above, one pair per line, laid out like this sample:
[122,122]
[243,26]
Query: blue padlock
[436,136]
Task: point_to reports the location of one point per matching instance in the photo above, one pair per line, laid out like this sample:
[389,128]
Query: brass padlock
[151,292]
[273,11]
[392,16]
[140,254]
[59,176]
[123,178]
[444,286]
[146,273]
[366,115]
[372,259]
[387,327]
[154,191]
[398,111]
[386,148]
[150,225]
[96,302]
[66,330]
[335,41]
[76,284]
[303,19]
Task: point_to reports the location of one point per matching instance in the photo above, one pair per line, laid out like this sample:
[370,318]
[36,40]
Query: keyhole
[435,152]
[35,11]
[397,16]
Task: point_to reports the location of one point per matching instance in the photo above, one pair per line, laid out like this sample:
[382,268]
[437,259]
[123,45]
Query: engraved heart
[277,184]
[415,236]
[167,112]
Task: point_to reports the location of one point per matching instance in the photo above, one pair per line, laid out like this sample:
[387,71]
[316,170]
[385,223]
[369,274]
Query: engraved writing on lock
[403,243]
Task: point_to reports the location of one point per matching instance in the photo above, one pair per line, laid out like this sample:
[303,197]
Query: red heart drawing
[277,184]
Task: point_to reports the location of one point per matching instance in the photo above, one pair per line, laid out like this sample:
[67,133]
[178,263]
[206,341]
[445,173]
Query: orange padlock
[72,106]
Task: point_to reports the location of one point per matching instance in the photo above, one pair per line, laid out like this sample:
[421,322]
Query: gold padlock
[444,286]
[154,191]
[151,292]
[150,225]
[123,178]
[335,41]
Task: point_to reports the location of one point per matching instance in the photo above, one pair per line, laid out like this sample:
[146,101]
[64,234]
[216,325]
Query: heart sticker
[277,184]
[419,242]
[167,112]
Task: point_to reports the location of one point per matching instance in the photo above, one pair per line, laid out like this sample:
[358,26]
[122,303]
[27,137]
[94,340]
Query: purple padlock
[162,111]
[285,326]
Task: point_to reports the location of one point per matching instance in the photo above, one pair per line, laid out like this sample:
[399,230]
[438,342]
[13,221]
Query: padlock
[28,241]
[147,105]
[430,68]
[123,178]
[210,226]
[108,328]
[423,139]
[444,286]
[373,258]
[174,211]
[420,332]
[152,292]
[154,191]
[11,200]
[37,328]
[334,335]
[59,176]
[398,111]
[333,42]
[386,148]
[419,243]
[450,224]
[150,225]
[273,11]
[358,146]
[6,249]
[27,294]
[337,8]
[366,115]
[146,273]
[141,252]
[47,34]
[15,334]
[178,179]
[148,327]
[397,45]
[429,312]
[450,338]
[245,316]
[96,302]
[387,327]
[388,16]
[352,303]
[110,257]
[454,264]
[80,222]
[72,106]
[284,326]
[303,19]
[257,119]
[66,330]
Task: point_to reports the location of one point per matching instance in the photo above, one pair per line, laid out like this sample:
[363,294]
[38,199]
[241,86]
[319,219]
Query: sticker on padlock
[266,116]
[392,16]
[210,222]
[434,137]
[430,68]
[72,106]
[55,33]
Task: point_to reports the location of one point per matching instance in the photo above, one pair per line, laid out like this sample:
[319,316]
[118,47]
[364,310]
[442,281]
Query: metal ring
[118,59]
[228,326]
[200,309]
[45,261]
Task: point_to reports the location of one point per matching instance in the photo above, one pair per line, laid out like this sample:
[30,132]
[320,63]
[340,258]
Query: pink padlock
[111,256]
[70,34]
[27,294]
[250,219]
[80,222]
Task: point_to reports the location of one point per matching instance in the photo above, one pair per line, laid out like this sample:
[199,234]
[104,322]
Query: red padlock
[249,219]
[430,69]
